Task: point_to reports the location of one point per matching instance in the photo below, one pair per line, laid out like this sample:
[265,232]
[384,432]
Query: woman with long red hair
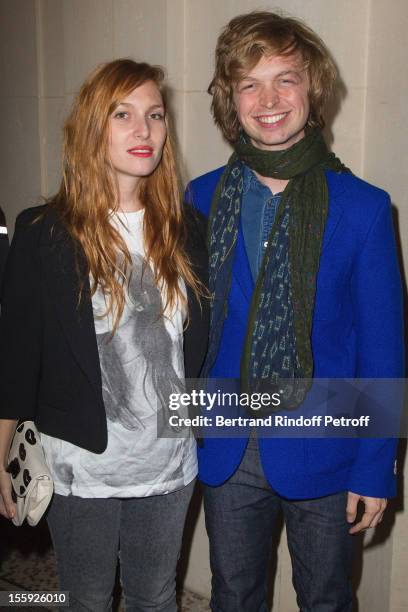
[102,317]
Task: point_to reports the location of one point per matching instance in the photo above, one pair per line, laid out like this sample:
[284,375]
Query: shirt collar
[250,180]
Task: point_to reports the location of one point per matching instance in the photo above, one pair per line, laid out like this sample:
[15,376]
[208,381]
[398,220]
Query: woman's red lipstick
[141,151]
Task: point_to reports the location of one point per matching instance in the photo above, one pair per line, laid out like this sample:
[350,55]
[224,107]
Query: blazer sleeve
[378,313]
[21,322]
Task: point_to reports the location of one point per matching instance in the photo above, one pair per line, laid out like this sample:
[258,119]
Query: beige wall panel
[398,586]
[386,126]
[139,30]
[18,59]
[20,153]
[385,163]
[54,112]
[176,57]
[373,588]
[198,576]
[346,136]
[20,160]
[204,147]
[175,72]
[284,597]
[88,38]
[175,102]
[52,47]
[343,26]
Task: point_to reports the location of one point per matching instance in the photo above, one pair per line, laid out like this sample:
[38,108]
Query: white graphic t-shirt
[141,364]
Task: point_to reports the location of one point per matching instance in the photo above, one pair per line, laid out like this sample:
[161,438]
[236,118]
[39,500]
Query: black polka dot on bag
[30,437]
[14,468]
[22,452]
[26,477]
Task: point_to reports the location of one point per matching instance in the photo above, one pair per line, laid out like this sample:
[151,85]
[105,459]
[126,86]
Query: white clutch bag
[30,477]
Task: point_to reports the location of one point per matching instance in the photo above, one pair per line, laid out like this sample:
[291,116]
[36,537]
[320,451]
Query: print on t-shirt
[136,363]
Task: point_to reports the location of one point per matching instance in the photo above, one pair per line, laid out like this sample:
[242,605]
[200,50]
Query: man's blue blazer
[357,332]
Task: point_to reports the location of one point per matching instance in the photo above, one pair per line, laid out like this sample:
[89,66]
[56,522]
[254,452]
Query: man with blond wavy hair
[305,284]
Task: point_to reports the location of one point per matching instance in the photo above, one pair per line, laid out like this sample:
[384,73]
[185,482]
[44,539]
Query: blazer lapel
[336,190]
[76,319]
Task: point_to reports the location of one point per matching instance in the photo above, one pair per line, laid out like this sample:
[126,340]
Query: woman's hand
[7,506]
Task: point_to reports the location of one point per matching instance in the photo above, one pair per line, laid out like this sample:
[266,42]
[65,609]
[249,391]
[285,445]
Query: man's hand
[374,508]
[7,506]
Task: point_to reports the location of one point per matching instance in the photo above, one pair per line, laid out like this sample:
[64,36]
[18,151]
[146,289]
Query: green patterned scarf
[298,230]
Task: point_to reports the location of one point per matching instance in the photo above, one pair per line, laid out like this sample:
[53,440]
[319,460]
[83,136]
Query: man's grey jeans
[240,518]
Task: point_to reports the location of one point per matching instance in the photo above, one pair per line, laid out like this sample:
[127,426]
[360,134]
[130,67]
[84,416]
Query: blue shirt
[258,212]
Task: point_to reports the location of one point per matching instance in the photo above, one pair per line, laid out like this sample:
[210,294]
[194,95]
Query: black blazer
[49,362]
